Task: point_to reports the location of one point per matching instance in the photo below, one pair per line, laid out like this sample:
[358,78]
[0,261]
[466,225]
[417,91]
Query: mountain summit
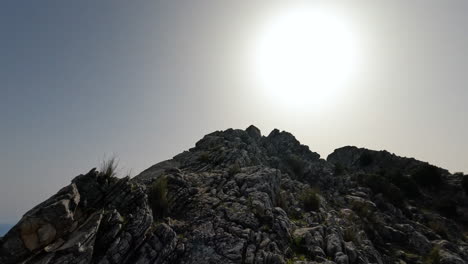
[240,197]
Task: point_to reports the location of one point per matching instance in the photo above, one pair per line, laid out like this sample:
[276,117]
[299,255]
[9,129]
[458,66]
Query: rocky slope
[240,197]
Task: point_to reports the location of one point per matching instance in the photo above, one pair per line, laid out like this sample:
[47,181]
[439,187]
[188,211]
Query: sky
[144,80]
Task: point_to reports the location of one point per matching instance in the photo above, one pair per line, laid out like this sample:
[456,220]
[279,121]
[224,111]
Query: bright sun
[305,57]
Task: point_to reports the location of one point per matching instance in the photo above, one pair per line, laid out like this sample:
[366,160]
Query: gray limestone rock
[239,197]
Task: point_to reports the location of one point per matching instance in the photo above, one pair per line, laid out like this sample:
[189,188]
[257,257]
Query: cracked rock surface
[240,197]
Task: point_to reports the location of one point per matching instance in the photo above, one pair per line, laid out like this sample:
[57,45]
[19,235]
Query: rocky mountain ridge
[240,197]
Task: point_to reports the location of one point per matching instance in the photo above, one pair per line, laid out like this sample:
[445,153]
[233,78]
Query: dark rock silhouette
[239,197]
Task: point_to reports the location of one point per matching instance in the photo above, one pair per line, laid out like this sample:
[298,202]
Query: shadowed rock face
[240,197]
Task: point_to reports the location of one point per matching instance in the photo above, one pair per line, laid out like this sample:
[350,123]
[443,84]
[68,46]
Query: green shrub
[108,167]
[362,209]
[380,184]
[297,241]
[234,169]
[447,207]
[427,176]
[394,195]
[280,200]
[339,169]
[439,228]
[245,138]
[204,157]
[310,199]
[465,184]
[405,183]
[366,159]
[297,257]
[350,235]
[298,250]
[157,197]
[372,181]
[296,164]
[433,257]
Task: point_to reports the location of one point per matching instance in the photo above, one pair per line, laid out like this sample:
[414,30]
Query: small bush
[363,210]
[234,169]
[297,242]
[280,200]
[447,208]
[427,176]
[339,169]
[298,250]
[310,199]
[366,159]
[350,235]
[372,181]
[433,257]
[108,167]
[406,184]
[157,197]
[245,138]
[296,164]
[394,195]
[204,157]
[439,228]
[465,184]
[379,184]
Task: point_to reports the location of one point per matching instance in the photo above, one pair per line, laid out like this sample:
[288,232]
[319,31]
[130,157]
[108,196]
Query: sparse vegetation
[224,203]
[433,257]
[245,138]
[108,168]
[250,203]
[447,207]
[339,169]
[410,257]
[296,164]
[265,228]
[234,169]
[366,159]
[298,219]
[379,184]
[427,176]
[439,228]
[298,250]
[310,199]
[157,197]
[296,257]
[280,199]
[406,184]
[465,184]
[350,235]
[297,242]
[204,157]
[362,209]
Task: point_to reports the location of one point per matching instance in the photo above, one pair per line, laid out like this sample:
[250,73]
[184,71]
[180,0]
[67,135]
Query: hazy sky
[146,79]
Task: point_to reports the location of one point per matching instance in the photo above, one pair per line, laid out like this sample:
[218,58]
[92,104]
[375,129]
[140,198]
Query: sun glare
[304,57]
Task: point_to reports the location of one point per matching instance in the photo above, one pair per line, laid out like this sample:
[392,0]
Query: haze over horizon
[144,81]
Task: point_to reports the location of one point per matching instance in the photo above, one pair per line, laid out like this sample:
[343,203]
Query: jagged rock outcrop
[240,197]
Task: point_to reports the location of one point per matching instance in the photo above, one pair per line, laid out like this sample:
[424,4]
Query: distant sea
[4,228]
